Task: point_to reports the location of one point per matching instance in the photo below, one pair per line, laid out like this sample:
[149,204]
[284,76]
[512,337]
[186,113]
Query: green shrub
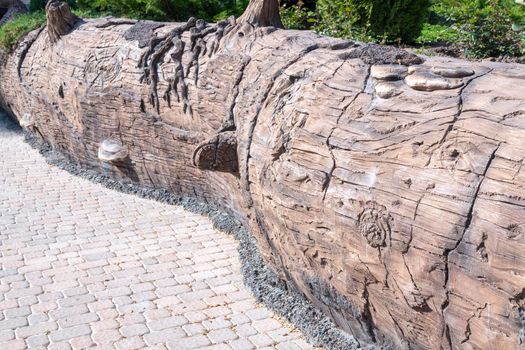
[297,17]
[143,9]
[13,31]
[484,28]
[380,20]
[172,10]
[487,31]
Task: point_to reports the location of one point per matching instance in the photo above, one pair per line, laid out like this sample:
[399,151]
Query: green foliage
[297,17]
[172,10]
[484,28]
[437,34]
[380,20]
[487,31]
[13,31]
[144,9]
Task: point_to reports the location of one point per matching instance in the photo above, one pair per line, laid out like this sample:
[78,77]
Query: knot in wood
[374,224]
[218,153]
[60,19]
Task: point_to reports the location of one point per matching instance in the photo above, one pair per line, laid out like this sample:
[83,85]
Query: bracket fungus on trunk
[386,187]
[112,151]
[27,122]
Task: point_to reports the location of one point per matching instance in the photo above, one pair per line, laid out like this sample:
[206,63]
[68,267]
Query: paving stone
[76,320]
[130,343]
[69,333]
[134,330]
[242,344]
[68,311]
[170,322]
[288,346]
[223,335]
[37,329]
[84,267]
[195,342]
[217,347]
[245,330]
[217,323]
[266,325]
[13,323]
[17,312]
[83,342]
[106,336]
[167,335]
[131,318]
[76,300]
[37,341]
[261,340]
[7,335]
[59,346]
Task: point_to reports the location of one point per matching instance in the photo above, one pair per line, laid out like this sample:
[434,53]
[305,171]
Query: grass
[13,31]
[438,33]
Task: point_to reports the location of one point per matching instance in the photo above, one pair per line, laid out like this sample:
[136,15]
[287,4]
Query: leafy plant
[13,31]
[380,20]
[484,28]
[438,34]
[487,31]
[144,9]
[173,10]
[297,17]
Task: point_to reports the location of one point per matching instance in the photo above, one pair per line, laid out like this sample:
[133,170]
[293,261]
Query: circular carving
[375,224]
[103,66]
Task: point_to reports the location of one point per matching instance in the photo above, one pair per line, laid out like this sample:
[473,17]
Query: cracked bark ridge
[60,19]
[395,182]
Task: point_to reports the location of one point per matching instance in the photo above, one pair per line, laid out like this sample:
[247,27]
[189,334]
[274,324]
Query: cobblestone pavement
[83,267]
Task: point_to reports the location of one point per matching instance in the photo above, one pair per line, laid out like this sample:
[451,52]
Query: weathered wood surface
[392,196]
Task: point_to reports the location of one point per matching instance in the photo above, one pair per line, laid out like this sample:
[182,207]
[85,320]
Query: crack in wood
[447,252]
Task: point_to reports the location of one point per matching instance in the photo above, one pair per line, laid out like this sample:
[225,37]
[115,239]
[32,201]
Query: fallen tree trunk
[390,191]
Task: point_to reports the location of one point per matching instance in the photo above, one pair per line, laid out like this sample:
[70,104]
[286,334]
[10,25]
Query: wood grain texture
[390,191]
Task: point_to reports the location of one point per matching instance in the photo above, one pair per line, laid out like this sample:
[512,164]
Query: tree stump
[60,19]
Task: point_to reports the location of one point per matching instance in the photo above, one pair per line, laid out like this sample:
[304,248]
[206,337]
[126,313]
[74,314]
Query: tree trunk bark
[390,191]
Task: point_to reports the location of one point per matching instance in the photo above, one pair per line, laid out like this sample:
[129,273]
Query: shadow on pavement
[7,124]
